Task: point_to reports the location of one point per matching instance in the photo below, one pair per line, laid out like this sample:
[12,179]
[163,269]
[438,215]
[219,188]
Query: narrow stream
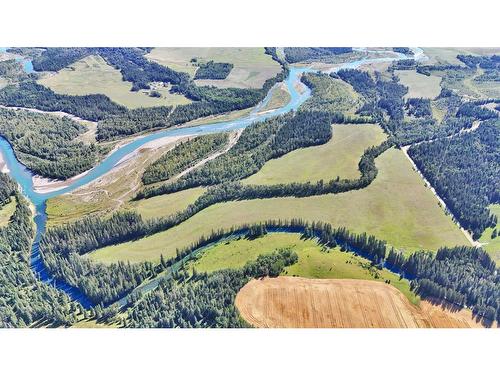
[23,176]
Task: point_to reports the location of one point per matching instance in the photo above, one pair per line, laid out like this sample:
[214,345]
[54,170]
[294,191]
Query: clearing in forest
[396,207]
[93,75]
[252,67]
[315,260]
[7,211]
[419,85]
[295,302]
[338,157]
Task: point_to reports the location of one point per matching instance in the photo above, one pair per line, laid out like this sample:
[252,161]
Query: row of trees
[183,156]
[32,95]
[24,300]
[47,144]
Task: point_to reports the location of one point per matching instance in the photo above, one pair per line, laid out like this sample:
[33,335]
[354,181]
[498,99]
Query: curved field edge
[292,302]
[395,207]
[314,260]
[338,157]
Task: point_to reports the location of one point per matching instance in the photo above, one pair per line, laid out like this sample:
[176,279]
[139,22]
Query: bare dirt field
[295,302]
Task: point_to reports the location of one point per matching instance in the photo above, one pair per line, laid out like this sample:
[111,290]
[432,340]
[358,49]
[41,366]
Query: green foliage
[31,95]
[204,300]
[132,122]
[182,156]
[46,144]
[464,171]
[24,300]
[296,54]
[213,70]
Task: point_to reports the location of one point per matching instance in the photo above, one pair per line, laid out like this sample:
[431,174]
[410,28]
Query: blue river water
[23,176]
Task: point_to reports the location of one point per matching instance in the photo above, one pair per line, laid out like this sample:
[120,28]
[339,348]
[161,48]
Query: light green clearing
[315,261]
[6,212]
[440,55]
[396,207]
[252,67]
[165,205]
[338,157]
[419,85]
[280,98]
[93,75]
[492,246]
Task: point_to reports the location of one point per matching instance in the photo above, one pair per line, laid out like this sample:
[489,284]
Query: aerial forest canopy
[464,170]
[24,300]
[47,144]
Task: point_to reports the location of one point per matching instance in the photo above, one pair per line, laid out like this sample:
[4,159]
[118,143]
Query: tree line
[182,156]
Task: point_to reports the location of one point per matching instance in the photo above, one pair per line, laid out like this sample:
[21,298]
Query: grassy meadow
[419,85]
[396,207]
[338,157]
[6,212]
[252,67]
[315,261]
[164,205]
[93,75]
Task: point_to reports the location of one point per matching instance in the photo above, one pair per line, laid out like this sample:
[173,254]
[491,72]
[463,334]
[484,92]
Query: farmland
[292,302]
[252,67]
[338,157]
[92,75]
[396,207]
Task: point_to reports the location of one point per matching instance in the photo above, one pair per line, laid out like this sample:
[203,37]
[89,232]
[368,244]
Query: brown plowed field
[295,302]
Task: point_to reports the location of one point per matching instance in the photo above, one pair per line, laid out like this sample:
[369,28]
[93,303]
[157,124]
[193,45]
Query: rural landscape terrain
[273,187]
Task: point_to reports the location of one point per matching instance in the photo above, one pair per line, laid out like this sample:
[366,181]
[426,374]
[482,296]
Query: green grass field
[440,55]
[164,205]
[6,212]
[92,75]
[315,261]
[492,245]
[419,85]
[338,157]
[280,97]
[252,67]
[396,207]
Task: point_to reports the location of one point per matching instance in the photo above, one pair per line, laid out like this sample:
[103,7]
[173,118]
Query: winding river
[23,176]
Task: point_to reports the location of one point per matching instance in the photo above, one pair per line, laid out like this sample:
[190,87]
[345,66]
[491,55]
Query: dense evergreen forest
[24,300]
[7,189]
[464,171]
[213,70]
[47,144]
[297,54]
[32,95]
[132,122]
[204,300]
[183,156]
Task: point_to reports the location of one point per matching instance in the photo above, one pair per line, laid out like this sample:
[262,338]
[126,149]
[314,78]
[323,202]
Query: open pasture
[396,207]
[252,67]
